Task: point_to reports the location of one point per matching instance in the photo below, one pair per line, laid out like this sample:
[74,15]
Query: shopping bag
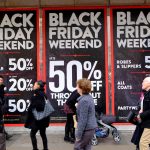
[132,118]
[67,109]
[48,109]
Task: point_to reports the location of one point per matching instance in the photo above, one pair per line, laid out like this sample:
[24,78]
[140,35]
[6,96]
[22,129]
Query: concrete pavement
[21,141]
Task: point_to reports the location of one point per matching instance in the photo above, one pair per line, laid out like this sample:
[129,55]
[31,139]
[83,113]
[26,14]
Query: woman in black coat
[37,102]
[70,110]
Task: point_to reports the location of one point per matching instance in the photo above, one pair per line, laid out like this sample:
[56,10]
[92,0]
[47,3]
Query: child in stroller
[105,126]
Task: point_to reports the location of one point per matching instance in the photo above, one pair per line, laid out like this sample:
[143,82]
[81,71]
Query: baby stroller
[104,128]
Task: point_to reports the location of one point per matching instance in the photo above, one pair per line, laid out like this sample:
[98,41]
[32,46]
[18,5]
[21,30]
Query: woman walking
[86,121]
[70,110]
[37,102]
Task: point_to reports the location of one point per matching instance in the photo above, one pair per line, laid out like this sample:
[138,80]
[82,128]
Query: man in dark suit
[144,116]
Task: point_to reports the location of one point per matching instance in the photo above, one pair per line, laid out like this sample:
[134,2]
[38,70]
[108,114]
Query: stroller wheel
[114,130]
[94,140]
[116,137]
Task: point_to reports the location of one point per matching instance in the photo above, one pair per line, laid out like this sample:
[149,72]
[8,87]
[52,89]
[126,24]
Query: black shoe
[72,140]
[67,139]
[8,136]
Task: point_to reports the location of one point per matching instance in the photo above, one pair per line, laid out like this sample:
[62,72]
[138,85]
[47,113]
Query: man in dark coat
[144,116]
[2,134]
[2,86]
[3,104]
[2,91]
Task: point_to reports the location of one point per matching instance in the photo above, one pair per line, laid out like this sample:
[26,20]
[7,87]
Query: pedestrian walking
[86,121]
[4,104]
[138,130]
[2,136]
[70,110]
[144,115]
[37,102]
[2,133]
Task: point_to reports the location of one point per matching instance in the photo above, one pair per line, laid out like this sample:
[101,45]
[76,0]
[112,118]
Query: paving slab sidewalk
[21,141]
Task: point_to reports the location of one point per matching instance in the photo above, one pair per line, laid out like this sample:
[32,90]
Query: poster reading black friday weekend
[18,57]
[131,56]
[75,48]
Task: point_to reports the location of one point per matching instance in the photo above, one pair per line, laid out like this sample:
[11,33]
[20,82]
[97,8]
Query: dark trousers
[43,136]
[85,142]
[137,135]
[69,128]
[2,141]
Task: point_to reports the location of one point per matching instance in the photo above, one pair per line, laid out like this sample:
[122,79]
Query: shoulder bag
[48,109]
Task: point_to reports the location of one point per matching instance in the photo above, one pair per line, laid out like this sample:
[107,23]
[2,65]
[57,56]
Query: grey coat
[85,115]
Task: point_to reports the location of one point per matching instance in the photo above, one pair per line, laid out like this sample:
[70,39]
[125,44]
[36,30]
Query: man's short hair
[147,79]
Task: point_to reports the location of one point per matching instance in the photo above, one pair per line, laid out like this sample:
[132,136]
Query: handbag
[67,109]
[48,109]
[132,118]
